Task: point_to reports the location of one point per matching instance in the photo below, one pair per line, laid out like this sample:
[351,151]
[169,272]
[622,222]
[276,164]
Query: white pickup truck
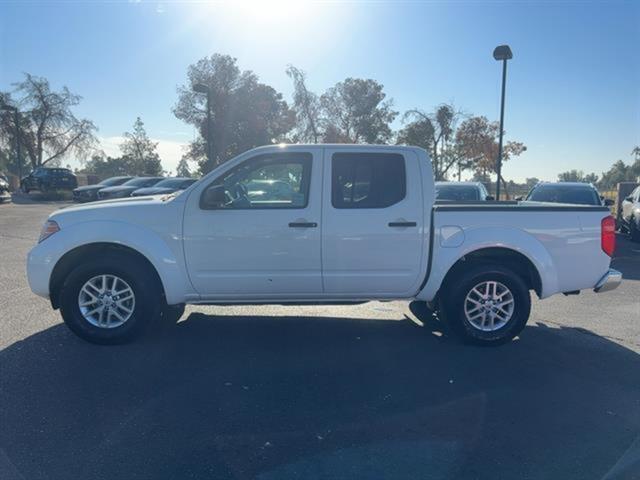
[303,224]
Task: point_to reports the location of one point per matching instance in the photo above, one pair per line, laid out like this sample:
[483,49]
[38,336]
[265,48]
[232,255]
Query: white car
[359,224]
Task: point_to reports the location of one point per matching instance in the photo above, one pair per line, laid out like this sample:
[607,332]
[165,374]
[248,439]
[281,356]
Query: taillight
[608,235]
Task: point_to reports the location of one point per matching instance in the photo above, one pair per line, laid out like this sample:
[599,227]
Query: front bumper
[84,196]
[609,281]
[40,265]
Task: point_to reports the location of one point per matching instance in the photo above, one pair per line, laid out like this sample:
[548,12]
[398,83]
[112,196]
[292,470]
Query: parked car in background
[462,192]
[45,179]
[127,188]
[4,188]
[168,185]
[630,214]
[89,193]
[576,193]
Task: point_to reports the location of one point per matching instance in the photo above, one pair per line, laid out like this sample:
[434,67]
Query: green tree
[531,182]
[244,112]
[307,109]
[138,147]
[591,178]
[619,172]
[105,167]
[477,143]
[49,130]
[355,111]
[571,176]
[635,167]
[435,132]
[183,170]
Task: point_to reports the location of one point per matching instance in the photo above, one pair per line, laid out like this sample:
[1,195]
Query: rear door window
[367,180]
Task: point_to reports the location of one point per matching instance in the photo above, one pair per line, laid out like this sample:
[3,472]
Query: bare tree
[306,106]
[49,129]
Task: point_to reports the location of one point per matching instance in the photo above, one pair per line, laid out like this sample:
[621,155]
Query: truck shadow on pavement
[311,398]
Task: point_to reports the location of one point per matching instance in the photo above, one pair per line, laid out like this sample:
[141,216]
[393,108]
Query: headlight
[49,228]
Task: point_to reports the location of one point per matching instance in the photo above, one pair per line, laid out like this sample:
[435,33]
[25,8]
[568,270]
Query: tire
[469,316]
[107,329]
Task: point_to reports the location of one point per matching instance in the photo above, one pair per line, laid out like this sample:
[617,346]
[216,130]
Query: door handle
[303,224]
[403,224]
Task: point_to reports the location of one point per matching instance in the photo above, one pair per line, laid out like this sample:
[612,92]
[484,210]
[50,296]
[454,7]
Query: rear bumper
[609,281]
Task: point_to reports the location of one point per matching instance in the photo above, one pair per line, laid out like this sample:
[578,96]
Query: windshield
[142,182]
[110,182]
[565,194]
[174,183]
[457,193]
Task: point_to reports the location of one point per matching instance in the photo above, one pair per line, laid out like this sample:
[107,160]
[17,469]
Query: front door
[254,231]
[373,223]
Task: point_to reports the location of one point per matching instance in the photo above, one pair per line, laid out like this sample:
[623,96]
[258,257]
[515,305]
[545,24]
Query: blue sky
[573,92]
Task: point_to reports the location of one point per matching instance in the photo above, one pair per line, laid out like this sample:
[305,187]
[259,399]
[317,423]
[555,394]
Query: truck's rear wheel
[486,304]
[110,300]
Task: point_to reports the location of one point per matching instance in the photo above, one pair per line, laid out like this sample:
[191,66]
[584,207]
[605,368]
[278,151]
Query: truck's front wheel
[486,304]
[110,300]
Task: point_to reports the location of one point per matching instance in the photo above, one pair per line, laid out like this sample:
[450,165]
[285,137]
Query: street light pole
[202,88]
[503,52]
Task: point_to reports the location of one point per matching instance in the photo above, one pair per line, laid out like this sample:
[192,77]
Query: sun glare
[256,12]
[278,27]
[273,11]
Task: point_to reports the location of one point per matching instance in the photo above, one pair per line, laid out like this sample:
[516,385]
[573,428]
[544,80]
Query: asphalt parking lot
[318,392]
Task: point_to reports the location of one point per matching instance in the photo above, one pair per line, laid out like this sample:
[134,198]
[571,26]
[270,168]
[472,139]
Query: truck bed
[562,241]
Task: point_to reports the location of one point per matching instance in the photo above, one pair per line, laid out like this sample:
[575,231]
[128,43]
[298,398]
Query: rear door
[372,223]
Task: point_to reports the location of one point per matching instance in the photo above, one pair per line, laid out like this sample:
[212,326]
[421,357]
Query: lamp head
[502,52]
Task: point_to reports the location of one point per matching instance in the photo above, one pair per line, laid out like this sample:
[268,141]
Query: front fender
[478,238]
[163,250]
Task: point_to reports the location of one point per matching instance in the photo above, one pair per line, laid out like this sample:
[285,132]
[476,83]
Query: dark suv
[46,179]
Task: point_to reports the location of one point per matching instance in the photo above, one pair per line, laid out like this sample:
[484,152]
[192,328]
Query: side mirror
[608,202]
[629,198]
[213,197]
[519,199]
[490,198]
